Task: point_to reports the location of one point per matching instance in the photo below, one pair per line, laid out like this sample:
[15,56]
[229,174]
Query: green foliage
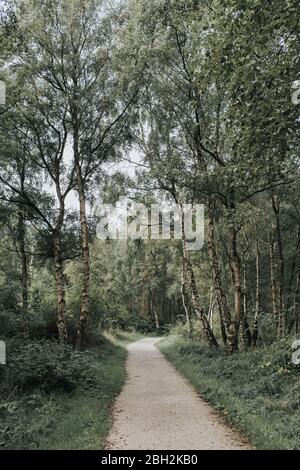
[84,419]
[181,330]
[25,419]
[49,365]
[53,397]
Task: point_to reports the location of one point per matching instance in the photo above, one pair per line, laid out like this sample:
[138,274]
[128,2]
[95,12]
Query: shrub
[48,365]
[180,329]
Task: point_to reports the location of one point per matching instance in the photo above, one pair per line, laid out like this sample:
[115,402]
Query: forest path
[158,408]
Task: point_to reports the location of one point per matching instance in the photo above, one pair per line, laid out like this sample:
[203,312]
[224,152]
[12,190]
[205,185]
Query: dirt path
[158,409]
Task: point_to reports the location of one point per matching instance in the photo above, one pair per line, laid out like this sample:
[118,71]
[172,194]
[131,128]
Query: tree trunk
[296,304]
[184,300]
[257,291]
[295,319]
[246,334]
[224,312]
[84,231]
[154,310]
[84,310]
[24,271]
[273,279]
[211,307]
[281,319]
[60,290]
[293,273]
[235,264]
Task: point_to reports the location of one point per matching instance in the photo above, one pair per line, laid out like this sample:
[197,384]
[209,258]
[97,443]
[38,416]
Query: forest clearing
[149,225]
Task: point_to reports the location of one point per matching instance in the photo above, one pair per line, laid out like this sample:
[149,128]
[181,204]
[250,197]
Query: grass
[257,392]
[85,419]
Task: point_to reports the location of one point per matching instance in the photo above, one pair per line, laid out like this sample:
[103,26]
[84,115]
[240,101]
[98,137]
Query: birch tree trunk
[60,290]
[224,312]
[281,319]
[257,290]
[296,306]
[84,231]
[184,299]
[24,271]
[84,309]
[246,334]
[235,264]
[273,278]
[154,310]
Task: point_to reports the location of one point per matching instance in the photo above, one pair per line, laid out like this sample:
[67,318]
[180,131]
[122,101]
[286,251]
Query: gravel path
[158,409]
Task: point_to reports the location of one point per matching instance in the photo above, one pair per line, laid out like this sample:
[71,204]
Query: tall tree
[74,50]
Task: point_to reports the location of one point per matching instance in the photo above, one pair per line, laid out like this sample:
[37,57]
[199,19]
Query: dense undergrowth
[52,397]
[257,391]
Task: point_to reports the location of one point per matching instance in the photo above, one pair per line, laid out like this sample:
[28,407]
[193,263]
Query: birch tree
[74,51]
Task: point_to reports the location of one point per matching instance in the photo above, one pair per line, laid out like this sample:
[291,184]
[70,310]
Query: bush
[138,323]
[45,384]
[180,329]
[48,365]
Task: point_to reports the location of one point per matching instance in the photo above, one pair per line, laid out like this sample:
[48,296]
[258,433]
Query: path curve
[158,409]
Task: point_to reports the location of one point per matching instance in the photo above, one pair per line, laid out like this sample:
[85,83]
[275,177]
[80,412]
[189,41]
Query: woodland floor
[159,409]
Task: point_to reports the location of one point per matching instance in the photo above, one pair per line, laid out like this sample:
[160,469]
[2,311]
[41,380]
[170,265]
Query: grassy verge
[85,418]
[257,392]
[69,407]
